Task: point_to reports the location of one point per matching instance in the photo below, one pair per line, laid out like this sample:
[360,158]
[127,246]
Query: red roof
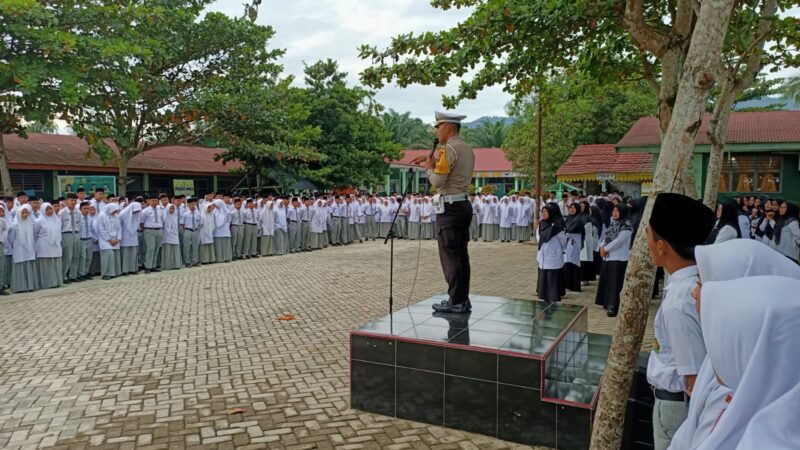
[603,158]
[743,128]
[486,159]
[61,152]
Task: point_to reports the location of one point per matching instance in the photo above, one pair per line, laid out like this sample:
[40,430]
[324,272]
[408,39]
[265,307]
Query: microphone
[435,144]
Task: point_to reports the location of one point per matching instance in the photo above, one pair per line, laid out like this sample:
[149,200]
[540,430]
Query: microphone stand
[390,238]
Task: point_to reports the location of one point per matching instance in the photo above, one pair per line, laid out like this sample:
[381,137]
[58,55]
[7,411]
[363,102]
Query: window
[27,181]
[751,173]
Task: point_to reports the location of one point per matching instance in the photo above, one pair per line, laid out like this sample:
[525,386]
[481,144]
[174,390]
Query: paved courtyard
[159,361]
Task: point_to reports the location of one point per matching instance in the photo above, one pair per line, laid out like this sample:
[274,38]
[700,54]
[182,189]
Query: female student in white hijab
[752,349]
[170,240]
[507,219]
[206,234]
[281,228]
[267,222]
[318,217]
[7,247]
[223,248]
[129,219]
[47,230]
[487,220]
[109,232]
[24,270]
[730,260]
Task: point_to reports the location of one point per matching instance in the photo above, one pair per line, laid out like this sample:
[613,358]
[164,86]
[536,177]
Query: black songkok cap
[681,220]
[191,200]
[101,190]
[21,194]
[80,189]
[73,196]
[85,204]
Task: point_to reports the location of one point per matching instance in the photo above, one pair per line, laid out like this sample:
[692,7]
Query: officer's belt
[454,198]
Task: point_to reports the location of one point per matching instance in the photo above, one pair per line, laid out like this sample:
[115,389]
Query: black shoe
[146,271]
[187,265]
[197,265]
[67,281]
[611,313]
[155,270]
[106,277]
[450,308]
[4,292]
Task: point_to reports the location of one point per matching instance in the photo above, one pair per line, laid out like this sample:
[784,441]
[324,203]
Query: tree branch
[645,36]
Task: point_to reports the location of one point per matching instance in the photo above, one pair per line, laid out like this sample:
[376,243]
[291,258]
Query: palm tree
[486,135]
[42,127]
[410,133]
[791,89]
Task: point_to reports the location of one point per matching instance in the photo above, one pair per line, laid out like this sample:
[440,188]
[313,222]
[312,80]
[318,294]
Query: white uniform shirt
[70,220]
[551,255]
[678,349]
[151,217]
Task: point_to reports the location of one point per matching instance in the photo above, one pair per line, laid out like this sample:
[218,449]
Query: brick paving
[158,361]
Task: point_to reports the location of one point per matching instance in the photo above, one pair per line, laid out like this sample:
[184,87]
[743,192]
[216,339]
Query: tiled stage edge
[520,370]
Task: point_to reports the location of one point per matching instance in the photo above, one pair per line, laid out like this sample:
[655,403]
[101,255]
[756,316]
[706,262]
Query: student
[474,225]
[86,243]
[575,229]
[281,228]
[152,223]
[727,227]
[786,237]
[524,220]
[370,227]
[487,216]
[250,229]
[24,271]
[677,225]
[4,225]
[293,216]
[129,244]
[591,234]
[109,232]
[615,251]
[140,234]
[752,351]
[47,231]
[70,238]
[506,220]
[170,239]
[237,232]
[206,248]
[550,257]
[730,260]
[223,249]
[267,220]
[192,221]
[94,266]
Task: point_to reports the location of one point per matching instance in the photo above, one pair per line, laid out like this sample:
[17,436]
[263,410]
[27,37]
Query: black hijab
[730,216]
[606,208]
[552,226]
[597,219]
[575,223]
[792,215]
[620,225]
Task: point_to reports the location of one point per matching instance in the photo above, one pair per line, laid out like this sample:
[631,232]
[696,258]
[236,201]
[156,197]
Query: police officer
[451,174]
[677,224]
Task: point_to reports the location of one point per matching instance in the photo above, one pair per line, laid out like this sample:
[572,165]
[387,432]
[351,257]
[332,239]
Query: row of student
[774,222]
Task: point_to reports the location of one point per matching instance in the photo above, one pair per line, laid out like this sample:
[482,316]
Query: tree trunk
[697,79]
[122,178]
[5,174]
[734,85]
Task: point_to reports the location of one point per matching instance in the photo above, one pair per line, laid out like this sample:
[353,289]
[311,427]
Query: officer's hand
[419,159]
[430,163]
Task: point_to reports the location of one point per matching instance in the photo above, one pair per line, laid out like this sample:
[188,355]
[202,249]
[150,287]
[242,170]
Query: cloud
[311,30]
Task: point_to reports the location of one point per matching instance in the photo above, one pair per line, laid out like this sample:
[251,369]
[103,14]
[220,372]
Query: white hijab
[750,328]
[730,260]
[207,219]
[24,242]
[51,224]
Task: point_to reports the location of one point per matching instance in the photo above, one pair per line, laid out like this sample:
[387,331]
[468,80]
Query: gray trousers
[401,226]
[70,256]
[250,240]
[84,257]
[474,229]
[333,232]
[294,237]
[152,239]
[305,236]
[344,230]
[359,234]
[142,248]
[237,240]
[191,247]
[667,418]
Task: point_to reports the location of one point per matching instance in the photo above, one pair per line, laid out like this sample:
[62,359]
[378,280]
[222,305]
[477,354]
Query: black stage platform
[521,370]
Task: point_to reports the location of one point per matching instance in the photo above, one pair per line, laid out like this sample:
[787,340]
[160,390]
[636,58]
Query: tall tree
[148,97]
[487,134]
[409,132]
[353,141]
[43,62]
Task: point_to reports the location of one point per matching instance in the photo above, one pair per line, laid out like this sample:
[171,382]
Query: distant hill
[790,105]
[491,119]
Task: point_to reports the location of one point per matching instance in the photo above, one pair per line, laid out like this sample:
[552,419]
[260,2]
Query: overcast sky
[310,30]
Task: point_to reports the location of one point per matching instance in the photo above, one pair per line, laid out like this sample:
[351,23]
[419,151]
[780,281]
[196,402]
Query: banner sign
[69,184]
[601,176]
[183,187]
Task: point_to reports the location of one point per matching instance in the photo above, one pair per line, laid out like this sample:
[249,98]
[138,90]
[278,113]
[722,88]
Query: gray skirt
[170,256]
[25,276]
[130,259]
[9,265]
[281,242]
[222,249]
[383,229]
[505,234]
[110,263]
[316,240]
[51,272]
[524,233]
[207,254]
[426,230]
[267,245]
[488,232]
[3,269]
[413,230]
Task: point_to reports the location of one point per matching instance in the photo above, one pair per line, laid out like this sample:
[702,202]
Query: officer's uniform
[451,177]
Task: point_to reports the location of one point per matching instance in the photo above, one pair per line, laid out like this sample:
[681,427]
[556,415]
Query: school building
[49,165]
[492,168]
[597,168]
[762,153]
